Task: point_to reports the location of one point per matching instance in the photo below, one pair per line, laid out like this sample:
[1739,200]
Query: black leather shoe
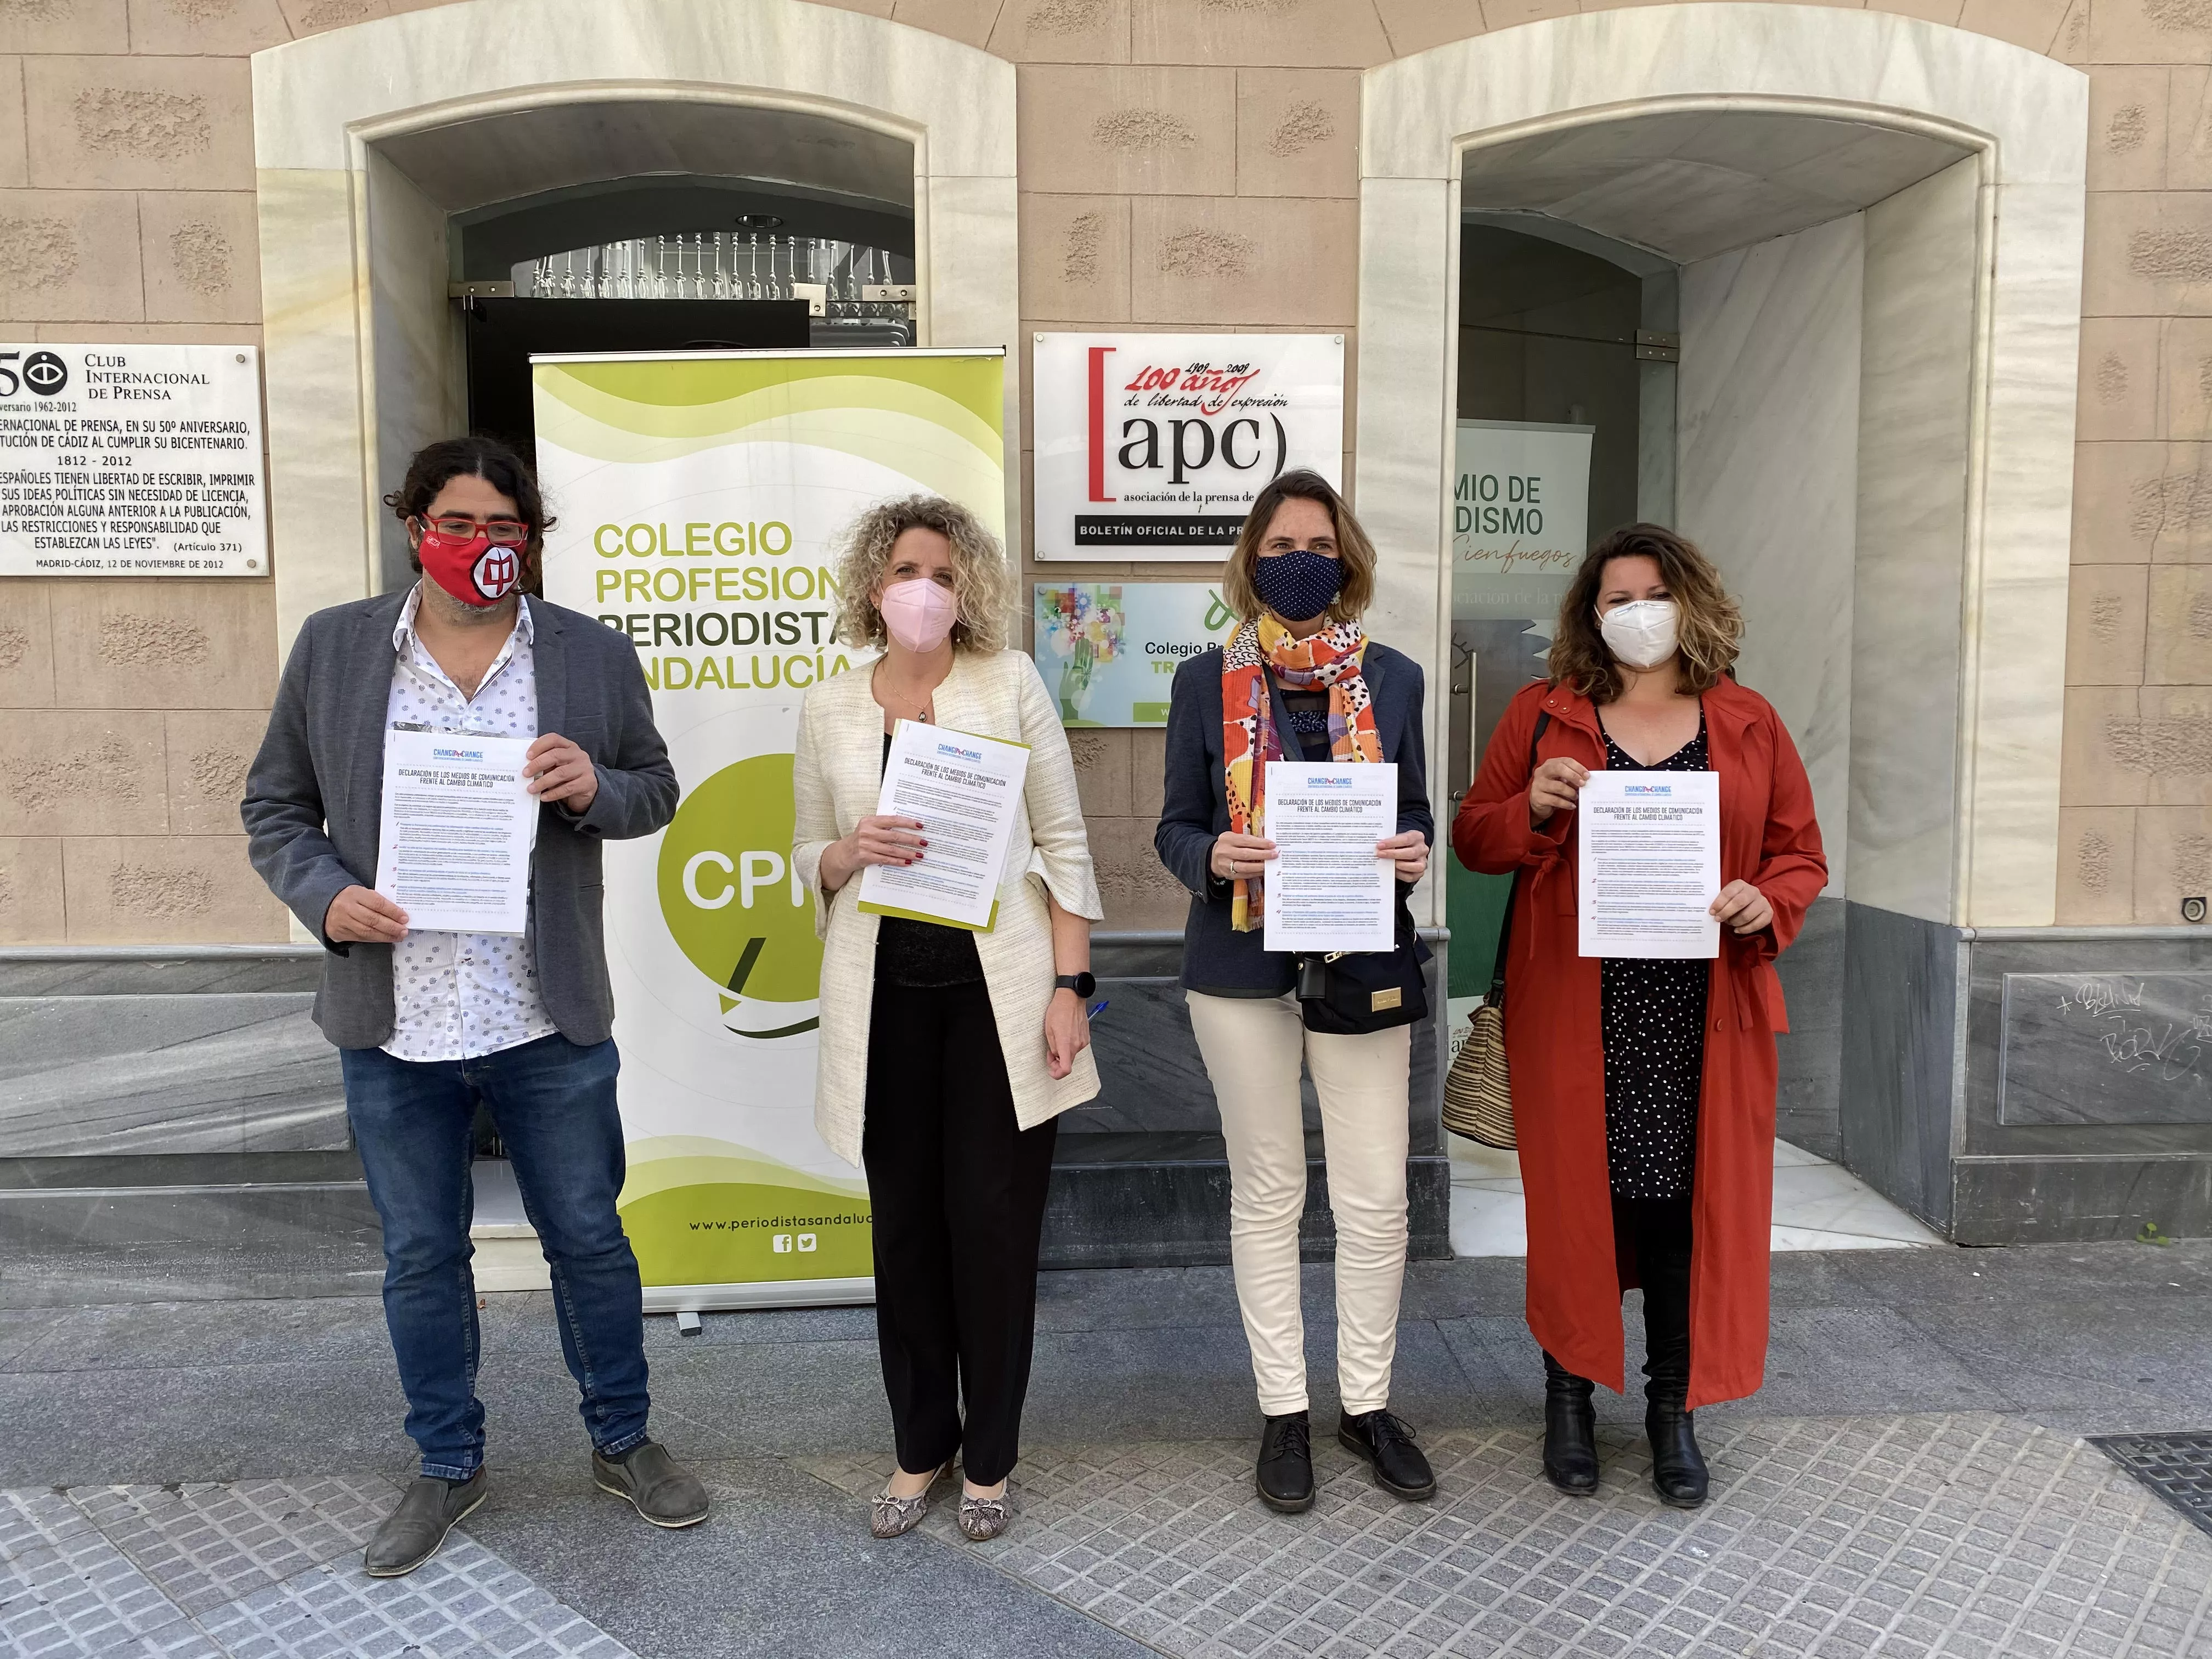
[658,1487]
[1570,1431]
[411,1533]
[1286,1474]
[1388,1445]
[1678,1467]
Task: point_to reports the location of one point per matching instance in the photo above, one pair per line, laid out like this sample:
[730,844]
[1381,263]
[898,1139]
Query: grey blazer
[316,791]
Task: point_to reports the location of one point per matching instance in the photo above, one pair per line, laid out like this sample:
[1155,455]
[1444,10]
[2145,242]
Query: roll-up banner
[700,500]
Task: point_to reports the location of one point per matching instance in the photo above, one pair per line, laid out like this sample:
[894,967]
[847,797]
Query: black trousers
[1655,1234]
[957,1188]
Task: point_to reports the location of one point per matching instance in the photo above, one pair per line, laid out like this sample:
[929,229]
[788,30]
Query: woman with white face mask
[946,1055]
[1643,1089]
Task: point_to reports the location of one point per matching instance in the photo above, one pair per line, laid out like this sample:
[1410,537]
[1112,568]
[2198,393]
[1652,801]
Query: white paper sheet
[1325,889]
[1649,851]
[966,791]
[458,824]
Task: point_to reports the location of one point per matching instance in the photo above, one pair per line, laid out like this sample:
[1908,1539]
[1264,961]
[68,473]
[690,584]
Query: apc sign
[1153,446]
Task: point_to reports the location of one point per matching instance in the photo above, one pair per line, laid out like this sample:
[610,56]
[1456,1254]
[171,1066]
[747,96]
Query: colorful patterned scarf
[1332,658]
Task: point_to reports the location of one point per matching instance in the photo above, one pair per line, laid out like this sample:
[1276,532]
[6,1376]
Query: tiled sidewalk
[257,1570]
[1970,1534]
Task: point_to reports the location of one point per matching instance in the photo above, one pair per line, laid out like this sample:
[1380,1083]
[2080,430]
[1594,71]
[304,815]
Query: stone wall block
[65,26]
[1504,13]
[163,889]
[79,772]
[208,752]
[2147,253]
[1145,131]
[2119,379]
[15,154]
[26,645]
[140,123]
[1412,26]
[314,17]
[1075,259]
[201,250]
[2038,25]
[2188,129]
[1062,32]
[69,255]
[2107,748]
[2172,861]
[2129,121]
[966,20]
[2178,649]
[30,911]
[231,334]
[2172,745]
[159,643]
[2142,503]
[1298,132]
[219,29]
[2096,865]
[2104,624]
[2185,376]
[1945,12]
[1222,261]
[2149,32]
[1148,764]
[1102,771]
[1138,891]
[1299,33]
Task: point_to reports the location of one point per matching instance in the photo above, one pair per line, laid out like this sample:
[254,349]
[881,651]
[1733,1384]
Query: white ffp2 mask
[1641,633]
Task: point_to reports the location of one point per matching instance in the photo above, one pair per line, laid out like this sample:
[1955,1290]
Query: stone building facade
[1175,165]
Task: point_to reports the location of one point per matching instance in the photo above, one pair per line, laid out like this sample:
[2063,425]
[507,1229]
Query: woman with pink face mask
[947,1055]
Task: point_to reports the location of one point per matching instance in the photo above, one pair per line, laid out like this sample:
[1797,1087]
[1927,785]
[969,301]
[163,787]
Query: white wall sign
[131,460]
[1519,515]
[1153,446]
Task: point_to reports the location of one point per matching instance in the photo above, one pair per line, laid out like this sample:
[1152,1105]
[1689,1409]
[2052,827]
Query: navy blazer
[1217,960]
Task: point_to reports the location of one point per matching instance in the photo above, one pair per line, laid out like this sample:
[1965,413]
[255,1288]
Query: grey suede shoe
[658,1487]
[411,1533]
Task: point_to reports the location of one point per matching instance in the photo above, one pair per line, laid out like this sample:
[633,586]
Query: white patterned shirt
[458,995]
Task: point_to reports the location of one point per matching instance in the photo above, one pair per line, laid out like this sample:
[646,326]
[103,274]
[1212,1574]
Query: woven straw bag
[1477,1092]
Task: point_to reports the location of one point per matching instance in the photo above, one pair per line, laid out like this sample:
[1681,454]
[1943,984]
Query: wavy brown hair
[982,581]
[1354,550]
[1711,627]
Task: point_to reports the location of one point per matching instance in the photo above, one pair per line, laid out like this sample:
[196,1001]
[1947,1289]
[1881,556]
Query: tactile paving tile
[463,1601]
[1968,1536]
[204,1544]
[2178,1466]
[66,1589]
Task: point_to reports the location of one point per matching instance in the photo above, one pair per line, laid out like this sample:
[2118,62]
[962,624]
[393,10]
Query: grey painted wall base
[1926,1046]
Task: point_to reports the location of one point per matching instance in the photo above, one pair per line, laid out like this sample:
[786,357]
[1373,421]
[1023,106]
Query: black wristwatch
[1082,984]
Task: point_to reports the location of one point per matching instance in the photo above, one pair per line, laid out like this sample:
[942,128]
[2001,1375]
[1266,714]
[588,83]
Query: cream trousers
[1253,1047]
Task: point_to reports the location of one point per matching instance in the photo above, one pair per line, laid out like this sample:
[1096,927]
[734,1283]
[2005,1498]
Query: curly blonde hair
[982,582]
[1710,631]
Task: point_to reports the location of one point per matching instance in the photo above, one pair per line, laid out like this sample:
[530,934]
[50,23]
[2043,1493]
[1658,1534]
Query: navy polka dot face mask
[1298,585]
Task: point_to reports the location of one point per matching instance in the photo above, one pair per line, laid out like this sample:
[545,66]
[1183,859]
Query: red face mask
[477,571]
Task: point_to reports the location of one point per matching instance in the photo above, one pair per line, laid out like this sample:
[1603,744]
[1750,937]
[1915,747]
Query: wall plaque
[131,460]
[2107,1048]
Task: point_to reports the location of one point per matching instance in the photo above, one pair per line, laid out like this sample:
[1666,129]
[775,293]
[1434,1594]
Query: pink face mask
[919,613]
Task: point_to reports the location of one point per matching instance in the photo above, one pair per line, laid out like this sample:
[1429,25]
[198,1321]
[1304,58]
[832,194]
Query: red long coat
[1552,1044]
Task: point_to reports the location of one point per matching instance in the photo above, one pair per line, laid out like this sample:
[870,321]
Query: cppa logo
[735,906]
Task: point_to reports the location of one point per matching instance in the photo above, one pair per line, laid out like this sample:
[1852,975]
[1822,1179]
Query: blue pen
[1097,1008]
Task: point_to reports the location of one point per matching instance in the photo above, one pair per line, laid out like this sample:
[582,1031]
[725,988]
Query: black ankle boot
[1678,1467]
[1570,1431]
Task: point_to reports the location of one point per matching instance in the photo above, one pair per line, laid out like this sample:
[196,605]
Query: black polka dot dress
[1652,1022]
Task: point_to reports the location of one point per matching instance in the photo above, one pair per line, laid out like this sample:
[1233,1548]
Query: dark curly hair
[436,466]
[1711,630]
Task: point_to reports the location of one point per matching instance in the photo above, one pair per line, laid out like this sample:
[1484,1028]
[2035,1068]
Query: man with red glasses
[427,1022]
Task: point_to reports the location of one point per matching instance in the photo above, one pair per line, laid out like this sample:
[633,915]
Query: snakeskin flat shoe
[982,1519]
[891,1517]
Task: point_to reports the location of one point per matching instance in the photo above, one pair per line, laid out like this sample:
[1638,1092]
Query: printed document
[458,824]
[966,791]
[1649,845]
[1325,888]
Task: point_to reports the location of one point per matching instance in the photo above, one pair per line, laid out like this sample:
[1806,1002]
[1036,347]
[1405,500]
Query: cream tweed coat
[836,777]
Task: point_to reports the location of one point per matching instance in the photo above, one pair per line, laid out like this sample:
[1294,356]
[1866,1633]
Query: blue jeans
[555,1106]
